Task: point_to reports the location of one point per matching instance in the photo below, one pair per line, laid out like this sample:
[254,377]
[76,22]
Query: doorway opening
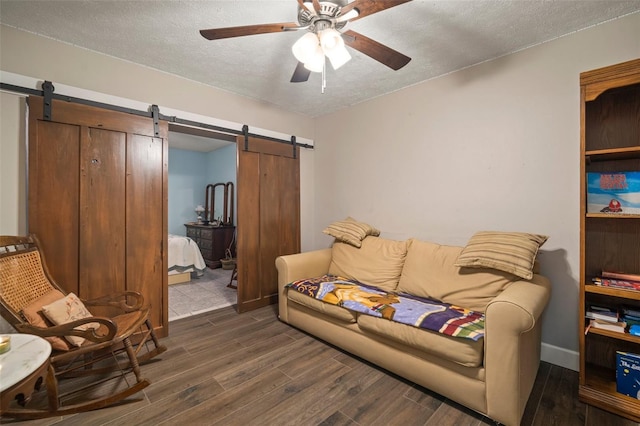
[198,158]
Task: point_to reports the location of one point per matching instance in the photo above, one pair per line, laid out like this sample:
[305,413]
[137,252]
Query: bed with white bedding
[185,259]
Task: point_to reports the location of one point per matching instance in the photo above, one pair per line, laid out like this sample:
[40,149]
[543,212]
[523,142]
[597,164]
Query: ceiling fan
[323,20]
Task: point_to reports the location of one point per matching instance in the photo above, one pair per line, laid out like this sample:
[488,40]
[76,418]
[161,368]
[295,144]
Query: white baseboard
[560,356]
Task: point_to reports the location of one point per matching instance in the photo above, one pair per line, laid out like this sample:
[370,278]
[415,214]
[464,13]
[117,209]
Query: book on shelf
[628,374]
[630,315]
[599,312]
[600,316]
[616,283]
[617,326]
[631,321]
[621,276]
[631,311]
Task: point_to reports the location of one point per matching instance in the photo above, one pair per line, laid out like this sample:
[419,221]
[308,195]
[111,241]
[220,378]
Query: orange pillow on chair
[34,316]
[67,309]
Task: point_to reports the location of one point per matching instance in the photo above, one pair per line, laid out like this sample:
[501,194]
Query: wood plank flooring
[222,368]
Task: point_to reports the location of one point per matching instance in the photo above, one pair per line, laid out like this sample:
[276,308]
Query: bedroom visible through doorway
[198,158]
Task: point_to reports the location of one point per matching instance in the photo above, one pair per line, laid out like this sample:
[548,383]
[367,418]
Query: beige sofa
[493,376]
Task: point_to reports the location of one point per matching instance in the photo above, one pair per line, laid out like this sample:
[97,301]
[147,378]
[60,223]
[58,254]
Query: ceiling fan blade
[305,5]
[316,5]
[349,16]
[381,53]
[218,33]
[301,74]
[369,7]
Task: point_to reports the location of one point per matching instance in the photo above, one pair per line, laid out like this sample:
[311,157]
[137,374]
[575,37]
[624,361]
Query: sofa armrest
[527,300]
[512,346]
[299,266]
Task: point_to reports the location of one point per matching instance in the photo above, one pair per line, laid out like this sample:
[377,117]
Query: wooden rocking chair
[100,365]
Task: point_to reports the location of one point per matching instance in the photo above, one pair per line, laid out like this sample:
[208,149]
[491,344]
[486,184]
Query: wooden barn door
[98,201]
[268,217]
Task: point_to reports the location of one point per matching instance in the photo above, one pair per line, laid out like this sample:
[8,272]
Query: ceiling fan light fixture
[338,57]
[315,61]
[305,48]
[333,46]
[330,39]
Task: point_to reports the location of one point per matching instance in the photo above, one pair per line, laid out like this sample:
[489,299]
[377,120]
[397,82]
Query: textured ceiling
[189,142]
[439,36]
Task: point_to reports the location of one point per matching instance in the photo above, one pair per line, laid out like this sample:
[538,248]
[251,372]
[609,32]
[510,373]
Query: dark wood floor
[250,369]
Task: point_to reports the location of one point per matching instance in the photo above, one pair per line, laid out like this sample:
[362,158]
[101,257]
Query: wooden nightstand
[213,241]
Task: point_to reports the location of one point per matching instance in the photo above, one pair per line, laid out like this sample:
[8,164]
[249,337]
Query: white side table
[23,369]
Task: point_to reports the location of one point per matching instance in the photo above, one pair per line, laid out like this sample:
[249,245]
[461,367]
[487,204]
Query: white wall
[492,147]
[13,216]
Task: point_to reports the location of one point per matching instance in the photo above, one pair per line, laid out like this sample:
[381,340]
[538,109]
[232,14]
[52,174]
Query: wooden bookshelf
[599,389]
[609,142]
[612,291]
[612,154]
[613,215]
[615,335]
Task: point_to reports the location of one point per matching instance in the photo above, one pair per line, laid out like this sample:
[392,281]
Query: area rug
[202,294]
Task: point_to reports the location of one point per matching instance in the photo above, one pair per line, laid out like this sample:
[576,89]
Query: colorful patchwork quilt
[399,307]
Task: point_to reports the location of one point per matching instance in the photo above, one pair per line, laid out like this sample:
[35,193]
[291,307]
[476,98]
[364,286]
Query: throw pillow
[351,231]
[513,252]
[378,262]
[34,316]
[66,310]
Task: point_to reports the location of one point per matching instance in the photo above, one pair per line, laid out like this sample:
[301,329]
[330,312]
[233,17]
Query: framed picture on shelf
[613,193]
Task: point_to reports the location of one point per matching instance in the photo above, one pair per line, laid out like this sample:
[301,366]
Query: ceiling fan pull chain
[324,76]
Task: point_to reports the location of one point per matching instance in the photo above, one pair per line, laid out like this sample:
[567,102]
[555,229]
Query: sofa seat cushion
[466,352]
[430,271]
[378,262]
[334,311]
[406,309]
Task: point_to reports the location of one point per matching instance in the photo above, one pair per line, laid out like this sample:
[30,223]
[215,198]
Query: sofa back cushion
[377,262]
[429,271]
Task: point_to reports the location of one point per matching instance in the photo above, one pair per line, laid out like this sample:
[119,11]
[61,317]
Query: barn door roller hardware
[47,94]
[293,144]
[155,115]
[245,132]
